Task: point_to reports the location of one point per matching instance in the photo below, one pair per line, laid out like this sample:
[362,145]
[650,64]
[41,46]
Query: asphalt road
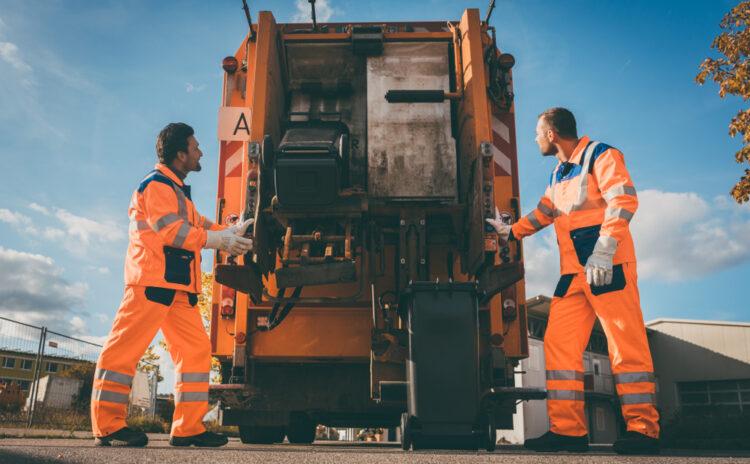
[55,450]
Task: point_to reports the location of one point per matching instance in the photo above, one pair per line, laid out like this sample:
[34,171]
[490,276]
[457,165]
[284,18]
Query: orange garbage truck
[369,155]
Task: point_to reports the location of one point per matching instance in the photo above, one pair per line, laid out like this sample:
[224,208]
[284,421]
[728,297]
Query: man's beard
[551,151]
[197,166]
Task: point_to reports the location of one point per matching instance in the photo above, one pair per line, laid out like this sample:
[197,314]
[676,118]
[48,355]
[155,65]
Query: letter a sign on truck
[234,123]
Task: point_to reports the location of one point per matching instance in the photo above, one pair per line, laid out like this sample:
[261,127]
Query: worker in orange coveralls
[591,200]
[162,282]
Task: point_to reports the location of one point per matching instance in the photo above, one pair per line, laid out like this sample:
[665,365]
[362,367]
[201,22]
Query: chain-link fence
[46,379]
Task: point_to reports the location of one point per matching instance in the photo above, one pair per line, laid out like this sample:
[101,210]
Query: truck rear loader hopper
[369,156]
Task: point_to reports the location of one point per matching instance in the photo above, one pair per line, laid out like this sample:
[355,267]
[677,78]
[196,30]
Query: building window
[728,395]
[52,367]
[26,364]
[9,363]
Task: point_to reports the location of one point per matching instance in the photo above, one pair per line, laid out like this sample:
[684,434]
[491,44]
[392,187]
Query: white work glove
[230,239]
[241,227]
[501,227]
[599,265]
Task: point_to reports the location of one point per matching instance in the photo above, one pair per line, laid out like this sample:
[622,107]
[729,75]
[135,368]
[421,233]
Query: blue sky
[86,86]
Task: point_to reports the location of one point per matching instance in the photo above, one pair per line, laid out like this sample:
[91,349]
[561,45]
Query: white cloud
[33,290]
[9,54]
[678,236]
[87,230]
[13,218]
[323,11]
[191,88]
[76,232]
[39,208]
[78,324]
[541,263]
[103,270]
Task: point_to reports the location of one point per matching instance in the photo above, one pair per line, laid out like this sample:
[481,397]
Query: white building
[700,365]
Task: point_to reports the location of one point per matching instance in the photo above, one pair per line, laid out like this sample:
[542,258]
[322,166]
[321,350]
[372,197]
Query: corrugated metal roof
[663,320]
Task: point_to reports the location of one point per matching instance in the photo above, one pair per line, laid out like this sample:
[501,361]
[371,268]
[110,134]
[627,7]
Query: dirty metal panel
[410,151]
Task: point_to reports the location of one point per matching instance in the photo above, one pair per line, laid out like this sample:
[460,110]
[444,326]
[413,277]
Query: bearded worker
[162,282]
[591,200]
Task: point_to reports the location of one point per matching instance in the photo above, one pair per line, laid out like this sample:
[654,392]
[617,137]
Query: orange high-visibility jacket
[166,234]
[589,196]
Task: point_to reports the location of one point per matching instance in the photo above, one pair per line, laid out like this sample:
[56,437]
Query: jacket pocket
[584,240]
[618,282]
[177,264]
[563,285]
[159,295]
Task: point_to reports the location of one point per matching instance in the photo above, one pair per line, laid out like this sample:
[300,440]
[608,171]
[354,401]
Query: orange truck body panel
[344,332]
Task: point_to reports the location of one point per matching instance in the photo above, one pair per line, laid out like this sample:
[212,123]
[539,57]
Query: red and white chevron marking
[502,146]
[233,155]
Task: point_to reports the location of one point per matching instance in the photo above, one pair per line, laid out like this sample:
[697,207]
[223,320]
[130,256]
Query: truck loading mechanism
[375,295]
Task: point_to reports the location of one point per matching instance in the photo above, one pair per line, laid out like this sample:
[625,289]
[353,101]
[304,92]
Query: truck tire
[261,435]
[301,429]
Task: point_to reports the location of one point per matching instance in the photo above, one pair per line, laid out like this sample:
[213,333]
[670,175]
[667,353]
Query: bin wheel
[301,429]
[261,435]
[406,432]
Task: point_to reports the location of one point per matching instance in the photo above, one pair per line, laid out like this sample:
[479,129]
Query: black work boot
[208,439]
[636,443]
[123,437]
[552,441]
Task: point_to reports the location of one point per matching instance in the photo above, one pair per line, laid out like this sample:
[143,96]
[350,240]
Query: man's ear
[551,136]
[182,156]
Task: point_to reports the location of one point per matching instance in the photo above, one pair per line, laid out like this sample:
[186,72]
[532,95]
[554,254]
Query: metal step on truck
[369,155]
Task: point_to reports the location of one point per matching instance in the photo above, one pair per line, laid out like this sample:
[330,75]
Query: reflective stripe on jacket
[166,234]
[589,196]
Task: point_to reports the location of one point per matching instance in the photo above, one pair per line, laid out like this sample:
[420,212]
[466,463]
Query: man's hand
[501,227]
[230,239]
[599,265]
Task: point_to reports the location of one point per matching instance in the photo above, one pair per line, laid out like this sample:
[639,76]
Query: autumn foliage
[732,73]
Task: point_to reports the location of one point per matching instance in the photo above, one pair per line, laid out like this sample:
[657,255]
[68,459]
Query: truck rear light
[227,309]
[509,309]
[230,64]
[227,302]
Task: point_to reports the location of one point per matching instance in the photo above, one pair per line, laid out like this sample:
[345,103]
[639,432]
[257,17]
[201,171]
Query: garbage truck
[369,156]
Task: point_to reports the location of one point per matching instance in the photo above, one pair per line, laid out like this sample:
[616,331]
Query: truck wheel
[406,440]
[301,429]
[261,435]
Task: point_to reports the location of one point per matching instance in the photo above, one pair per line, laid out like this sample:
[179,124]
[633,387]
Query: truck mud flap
[495,279]
[316,274]
[245,278]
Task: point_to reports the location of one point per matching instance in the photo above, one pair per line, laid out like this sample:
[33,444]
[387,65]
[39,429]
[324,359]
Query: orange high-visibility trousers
[572,314]
[143,311]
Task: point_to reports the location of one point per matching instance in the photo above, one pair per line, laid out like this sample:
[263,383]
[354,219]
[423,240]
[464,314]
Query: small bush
[148,424]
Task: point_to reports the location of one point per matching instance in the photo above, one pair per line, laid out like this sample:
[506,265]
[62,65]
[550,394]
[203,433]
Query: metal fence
[46,376]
